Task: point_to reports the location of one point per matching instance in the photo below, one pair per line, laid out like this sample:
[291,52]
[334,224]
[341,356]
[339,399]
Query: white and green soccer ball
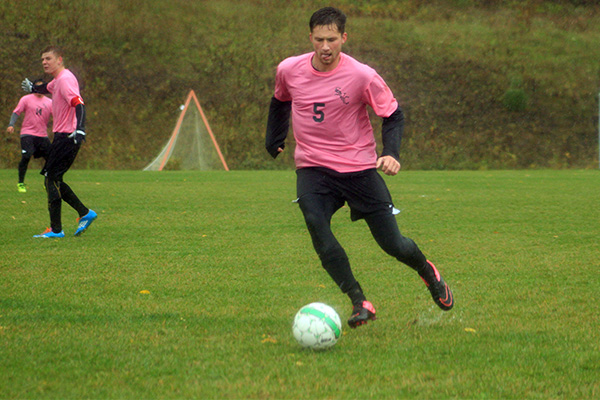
[317,326]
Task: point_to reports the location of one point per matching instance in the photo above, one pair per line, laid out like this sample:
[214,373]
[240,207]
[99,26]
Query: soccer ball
[317,326]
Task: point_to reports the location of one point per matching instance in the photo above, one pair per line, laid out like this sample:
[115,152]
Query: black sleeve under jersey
[278,125]
[391,134]
[80,115]
[39,87]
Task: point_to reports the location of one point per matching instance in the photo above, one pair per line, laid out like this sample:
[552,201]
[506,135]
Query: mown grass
[226,263]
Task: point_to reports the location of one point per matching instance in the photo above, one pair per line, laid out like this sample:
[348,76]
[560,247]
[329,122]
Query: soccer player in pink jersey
[34,135]
[68,112]
[327,93]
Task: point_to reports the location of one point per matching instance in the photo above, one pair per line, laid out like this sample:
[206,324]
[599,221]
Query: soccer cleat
[85,222]
[441,293]
[47,234]
[21,187]
[361,314]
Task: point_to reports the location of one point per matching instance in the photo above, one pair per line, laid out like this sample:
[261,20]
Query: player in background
[34,135]
[327,93]
[68,112]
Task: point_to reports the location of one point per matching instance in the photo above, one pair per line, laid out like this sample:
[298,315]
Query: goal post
[192,144]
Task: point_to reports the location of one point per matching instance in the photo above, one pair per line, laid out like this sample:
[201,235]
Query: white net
[192,145]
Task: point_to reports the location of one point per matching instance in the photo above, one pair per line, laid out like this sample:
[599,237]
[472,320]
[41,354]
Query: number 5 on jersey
[319,114]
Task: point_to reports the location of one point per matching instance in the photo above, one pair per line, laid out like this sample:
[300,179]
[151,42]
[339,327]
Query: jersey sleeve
[71,92]
[20,106]
[380,97]
[281,91]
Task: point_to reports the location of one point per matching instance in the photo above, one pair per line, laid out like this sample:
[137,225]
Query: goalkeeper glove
[27,85]
[78,136]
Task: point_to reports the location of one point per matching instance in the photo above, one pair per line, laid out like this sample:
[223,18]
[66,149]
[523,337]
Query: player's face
[327,42]
[51,63]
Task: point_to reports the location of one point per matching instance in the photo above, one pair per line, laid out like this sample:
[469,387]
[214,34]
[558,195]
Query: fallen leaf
[268,339]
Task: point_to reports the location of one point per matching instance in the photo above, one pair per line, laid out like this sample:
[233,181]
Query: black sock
[23,168]
[54,204]
[356,294]
[55,208]
[71,198]
[426,272]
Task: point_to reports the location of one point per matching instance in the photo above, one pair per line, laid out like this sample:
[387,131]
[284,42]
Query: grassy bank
[484,85]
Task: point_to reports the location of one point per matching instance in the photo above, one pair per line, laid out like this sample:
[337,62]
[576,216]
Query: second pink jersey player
[65,94]
[330,121]
[38,110]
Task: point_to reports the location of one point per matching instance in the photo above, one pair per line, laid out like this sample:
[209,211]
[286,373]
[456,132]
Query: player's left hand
[78,136]
[388,165]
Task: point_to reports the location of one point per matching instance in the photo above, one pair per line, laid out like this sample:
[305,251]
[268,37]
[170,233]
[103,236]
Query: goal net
[192,145]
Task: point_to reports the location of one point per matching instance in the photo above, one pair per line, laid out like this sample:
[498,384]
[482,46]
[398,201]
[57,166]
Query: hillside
[486,84]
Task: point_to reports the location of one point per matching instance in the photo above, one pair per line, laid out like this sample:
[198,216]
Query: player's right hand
[27,86]
[10,129]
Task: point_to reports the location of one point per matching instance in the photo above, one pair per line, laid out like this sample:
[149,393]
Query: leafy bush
[515,99]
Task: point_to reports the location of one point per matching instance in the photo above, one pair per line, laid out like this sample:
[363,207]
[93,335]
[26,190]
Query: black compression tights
[58,191]
[333,257]
[384,229]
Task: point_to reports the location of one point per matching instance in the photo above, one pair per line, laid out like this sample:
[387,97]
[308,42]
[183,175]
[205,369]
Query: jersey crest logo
[342,95]
[38,111]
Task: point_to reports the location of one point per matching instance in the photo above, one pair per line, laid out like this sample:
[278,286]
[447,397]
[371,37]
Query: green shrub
[515,99]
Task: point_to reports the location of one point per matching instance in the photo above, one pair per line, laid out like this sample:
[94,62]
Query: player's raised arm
[37,86]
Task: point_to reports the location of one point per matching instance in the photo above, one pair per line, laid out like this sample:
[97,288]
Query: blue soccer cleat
[85,222]
[47,234]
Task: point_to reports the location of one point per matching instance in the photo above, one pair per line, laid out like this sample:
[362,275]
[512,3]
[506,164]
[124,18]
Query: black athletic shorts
[62,155]
[365,191]
[35,146]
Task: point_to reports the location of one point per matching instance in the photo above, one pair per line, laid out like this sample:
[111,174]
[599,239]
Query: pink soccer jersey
[37,114]
[329,118]
[64,88]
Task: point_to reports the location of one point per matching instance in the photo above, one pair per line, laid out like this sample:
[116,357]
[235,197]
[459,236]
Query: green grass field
[187,284]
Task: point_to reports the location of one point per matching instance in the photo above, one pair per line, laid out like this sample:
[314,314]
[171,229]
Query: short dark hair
[54,49]
[328,16]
